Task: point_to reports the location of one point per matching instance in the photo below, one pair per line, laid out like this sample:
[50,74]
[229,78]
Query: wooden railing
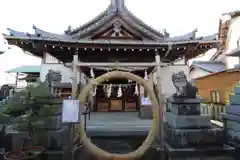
[213,110]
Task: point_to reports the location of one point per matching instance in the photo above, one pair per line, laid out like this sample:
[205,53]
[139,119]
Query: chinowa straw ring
[102,154]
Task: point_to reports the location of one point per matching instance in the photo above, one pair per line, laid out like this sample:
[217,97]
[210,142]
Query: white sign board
[70,111]
[145,101]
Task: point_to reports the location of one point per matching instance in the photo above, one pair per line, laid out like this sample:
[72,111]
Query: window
[215,96]
[229,34]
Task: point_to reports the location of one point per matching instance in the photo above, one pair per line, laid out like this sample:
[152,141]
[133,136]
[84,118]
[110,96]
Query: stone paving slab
[117,124]
[122,118]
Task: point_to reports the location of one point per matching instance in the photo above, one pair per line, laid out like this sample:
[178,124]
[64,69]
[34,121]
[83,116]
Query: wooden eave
[99,71]
[66,48]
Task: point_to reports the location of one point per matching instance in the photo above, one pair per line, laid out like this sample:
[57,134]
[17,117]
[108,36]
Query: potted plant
[4,119]
[28,111]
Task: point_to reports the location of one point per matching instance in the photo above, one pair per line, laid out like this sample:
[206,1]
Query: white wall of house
[166,78]
[51,62]
[231,44]
[198,72]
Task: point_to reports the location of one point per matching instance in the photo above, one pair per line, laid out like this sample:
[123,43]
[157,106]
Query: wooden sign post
[71,116]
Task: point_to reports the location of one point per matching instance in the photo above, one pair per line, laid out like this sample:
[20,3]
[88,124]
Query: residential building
[215,85]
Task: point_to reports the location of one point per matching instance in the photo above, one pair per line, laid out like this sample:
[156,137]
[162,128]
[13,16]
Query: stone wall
[232,121]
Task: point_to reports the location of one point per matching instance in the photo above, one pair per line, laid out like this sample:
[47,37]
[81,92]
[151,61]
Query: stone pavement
[117,124]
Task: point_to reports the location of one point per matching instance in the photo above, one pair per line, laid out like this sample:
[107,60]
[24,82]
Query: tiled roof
[234,53]
[210,66]
[25,69]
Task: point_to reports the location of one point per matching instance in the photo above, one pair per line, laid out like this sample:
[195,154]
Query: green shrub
[27,106]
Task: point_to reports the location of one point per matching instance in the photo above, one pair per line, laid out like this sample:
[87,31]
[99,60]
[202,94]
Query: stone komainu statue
[5,91]
[184,88]
[53,77]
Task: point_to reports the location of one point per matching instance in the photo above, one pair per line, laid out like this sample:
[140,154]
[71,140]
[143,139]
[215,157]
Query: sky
[176,16]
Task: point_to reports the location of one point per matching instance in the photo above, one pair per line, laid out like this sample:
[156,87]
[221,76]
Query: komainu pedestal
[187,133]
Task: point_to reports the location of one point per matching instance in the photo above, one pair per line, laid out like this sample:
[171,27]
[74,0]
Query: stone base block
[186,122]
[237,90]
[54,139]
[53,123]
[47,139]
[184,107]
[2,137]
[236,145]
[233,109]
[54,155]
[233,135]
[2,153]
[232,125]
[205,158]
[153,154]
[16,138]
[82,153]
[235,99]
[207,153]
[180,138]
[230,117]
[146,112]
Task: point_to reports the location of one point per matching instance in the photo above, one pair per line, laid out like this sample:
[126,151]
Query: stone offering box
[183,106]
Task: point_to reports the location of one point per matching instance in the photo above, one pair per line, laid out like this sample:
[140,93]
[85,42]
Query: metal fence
[213,110]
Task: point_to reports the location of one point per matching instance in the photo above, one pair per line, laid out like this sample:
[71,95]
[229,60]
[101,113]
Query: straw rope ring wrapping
[101,154]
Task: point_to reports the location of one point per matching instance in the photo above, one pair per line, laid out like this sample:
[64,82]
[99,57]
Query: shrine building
[116,35]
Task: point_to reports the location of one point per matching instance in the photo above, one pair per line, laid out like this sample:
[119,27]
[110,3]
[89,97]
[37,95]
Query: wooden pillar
[186,61]
[74,77]
[16,80]
[160,100]
[71,126]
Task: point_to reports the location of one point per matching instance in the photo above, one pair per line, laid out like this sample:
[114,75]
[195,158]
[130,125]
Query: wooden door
[116,105]
[102,105]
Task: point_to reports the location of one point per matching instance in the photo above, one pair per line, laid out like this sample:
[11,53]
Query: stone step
[180,138]
[232,125]
[237,90]
[233,109]
[190,122]
[223,152]
[235,99]
[233,135]
[230,117]
[116,132]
